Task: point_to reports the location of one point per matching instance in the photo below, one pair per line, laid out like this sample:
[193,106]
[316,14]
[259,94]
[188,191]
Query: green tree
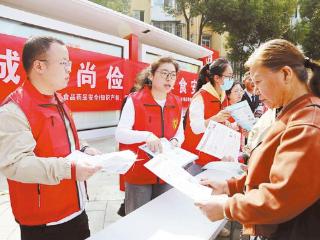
[250,23]
[187,8]
[190,9]
[309,27]
[204,13]
[122,6]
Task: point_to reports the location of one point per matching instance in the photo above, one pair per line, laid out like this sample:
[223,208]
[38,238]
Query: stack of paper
[115,162]
[178,155]
[220,141]
[165,168]
[233,168]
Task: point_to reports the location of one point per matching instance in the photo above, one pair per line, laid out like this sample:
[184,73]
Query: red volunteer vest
[37,204]
[212,106]
[150,117]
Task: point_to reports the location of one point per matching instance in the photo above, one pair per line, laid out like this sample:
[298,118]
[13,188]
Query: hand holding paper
[115,162]
[213,207]
[176,154]
[176,176]
[217,187]
[243,115]
[220,141]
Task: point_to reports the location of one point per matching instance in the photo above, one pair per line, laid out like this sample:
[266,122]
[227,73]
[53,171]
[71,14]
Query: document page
[180,156]
[234,168]
[242,114]
[115,162]
[165,168]
[220,141]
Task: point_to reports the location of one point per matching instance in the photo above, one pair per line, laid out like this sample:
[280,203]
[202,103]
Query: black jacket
[253,104]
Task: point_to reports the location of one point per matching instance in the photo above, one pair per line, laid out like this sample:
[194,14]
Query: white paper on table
[242,114]
[180,156]
[220,141]
[115,162]
[165,168]
[233,168]
[162,234]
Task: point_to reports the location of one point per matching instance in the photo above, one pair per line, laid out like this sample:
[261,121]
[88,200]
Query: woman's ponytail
[314,82]
[203,76]
[206,74]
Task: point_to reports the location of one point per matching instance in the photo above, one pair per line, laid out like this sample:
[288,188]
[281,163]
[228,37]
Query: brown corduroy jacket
[283,173]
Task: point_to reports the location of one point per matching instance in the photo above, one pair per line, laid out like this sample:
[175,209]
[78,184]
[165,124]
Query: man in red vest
[37,132]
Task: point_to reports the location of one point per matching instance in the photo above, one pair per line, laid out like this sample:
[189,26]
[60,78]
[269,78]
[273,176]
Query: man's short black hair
[35,48]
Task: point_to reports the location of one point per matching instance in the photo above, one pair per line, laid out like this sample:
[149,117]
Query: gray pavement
[104,194]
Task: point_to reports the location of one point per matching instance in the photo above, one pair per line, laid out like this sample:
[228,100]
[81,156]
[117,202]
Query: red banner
[209,59]
[97,81]
[185,86]
[11,70]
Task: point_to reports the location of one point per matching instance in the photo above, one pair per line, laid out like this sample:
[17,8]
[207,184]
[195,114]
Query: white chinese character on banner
[72,97]
[86,75]
[8,69]
[193,86]
[103,97]
[209,59]
[96,97]
[183,86]
[84,97]
[79,97]
[115,78]
[66,96]
[90,97]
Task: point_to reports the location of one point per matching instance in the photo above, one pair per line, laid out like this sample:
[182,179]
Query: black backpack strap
[123,103]
[185,119]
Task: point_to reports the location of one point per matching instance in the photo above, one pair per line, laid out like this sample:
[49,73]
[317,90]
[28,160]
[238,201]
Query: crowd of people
[277,198]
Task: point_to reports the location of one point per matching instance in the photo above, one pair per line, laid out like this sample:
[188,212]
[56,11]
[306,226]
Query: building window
[171,27]
[206,41]
[191,37]
[138,14]
[168,3]
[167,26]
[179,29]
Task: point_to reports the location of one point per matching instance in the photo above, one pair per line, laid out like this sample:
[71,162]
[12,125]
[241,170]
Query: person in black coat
[249,95]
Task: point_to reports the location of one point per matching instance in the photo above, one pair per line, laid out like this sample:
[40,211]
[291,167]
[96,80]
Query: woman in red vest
[207,104]
[150,113]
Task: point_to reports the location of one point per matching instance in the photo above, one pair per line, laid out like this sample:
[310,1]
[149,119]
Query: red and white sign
[11,70]
[185,86]
[97,81]
[209,59]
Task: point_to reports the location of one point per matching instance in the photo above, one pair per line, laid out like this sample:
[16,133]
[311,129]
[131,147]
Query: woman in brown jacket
[279,197]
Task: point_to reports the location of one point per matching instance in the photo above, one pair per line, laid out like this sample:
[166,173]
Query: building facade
[152,12]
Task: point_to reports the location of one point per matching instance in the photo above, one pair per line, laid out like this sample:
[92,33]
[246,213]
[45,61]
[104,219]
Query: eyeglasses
[231,77]
[238,91]
[166,74]
[66,63]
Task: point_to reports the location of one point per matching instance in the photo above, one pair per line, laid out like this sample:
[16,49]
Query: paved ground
[105,199]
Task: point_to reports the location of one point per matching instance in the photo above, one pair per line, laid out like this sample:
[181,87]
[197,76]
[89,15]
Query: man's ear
[39,66]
